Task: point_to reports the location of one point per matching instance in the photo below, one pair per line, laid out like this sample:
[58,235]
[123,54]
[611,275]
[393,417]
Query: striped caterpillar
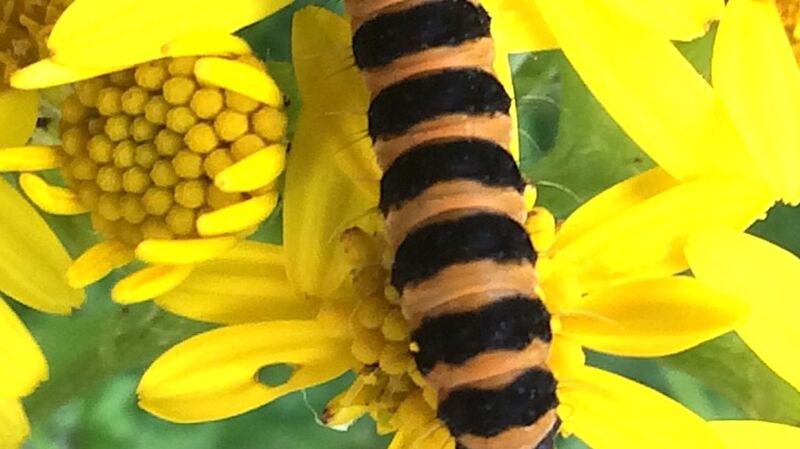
[451,195]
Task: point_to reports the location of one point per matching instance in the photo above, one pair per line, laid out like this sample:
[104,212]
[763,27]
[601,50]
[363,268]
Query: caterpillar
[452,199]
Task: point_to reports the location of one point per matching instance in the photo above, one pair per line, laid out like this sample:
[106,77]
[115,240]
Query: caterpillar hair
[451,194]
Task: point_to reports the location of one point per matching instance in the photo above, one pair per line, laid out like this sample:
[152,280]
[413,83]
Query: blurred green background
[570,147]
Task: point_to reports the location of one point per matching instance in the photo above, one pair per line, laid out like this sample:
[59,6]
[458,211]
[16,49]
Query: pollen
[24,27]
[246,145]
[109,101]
[201,138]
[179,90]
[269,124]
[230,125]
[181,119]
[207,103]
[143,147]
[387,379]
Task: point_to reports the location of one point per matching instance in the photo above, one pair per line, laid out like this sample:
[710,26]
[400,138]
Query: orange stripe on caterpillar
[452,198]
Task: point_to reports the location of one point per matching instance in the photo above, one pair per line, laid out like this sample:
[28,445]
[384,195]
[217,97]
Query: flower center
[790,10]
[142,147]
[388,380]
[24,27]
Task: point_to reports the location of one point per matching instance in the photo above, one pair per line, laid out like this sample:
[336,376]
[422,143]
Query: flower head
[23,39]
[32,260]
[24,27]
[741,127]
[325,304]
[175,158]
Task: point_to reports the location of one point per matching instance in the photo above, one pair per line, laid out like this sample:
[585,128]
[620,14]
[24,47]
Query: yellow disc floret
[142,148]
[387,380]
[24,27]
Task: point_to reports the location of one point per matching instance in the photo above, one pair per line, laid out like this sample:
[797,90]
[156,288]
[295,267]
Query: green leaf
[283,74]
[780,227]
[729,368]
[270,38]
[538,91]
[591,152]
[97,342]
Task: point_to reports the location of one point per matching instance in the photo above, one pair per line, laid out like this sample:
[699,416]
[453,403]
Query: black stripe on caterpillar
[452,197]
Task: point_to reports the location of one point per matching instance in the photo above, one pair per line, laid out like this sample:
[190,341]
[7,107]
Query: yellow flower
[749,434]
[322,304]
[520,26]
[22,367]
[32,259]
[743,128]
[176,159]
[24,26]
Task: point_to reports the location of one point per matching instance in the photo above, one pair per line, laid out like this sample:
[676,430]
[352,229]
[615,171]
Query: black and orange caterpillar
[452,197]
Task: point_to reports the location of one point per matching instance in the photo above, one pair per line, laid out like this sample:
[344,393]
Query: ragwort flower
[176,159]
[32,263]
[32,259]
[323,305]
[742,128]
[520,26]
[24,27]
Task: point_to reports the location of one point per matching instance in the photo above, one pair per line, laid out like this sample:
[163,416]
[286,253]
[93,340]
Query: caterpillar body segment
[451,194]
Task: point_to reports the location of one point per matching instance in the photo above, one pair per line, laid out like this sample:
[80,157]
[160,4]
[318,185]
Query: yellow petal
[359,164]
[241,78]
[566,356]
[183,252]
[238,217]
[502,69]
[213,375]
[206,43]
[149,282]
[319,201]
[247,284]
[767,279]
[756,75]
[754,434]
[49,73]
[522,26]
[648,87]
[611,202]
[51,199]
[620,248]
[541,227]
[28,158]
[18,111]
[676,19]
[651,317]
[253,172]
[90,31]
[32,260]
[98,261]
[22,365]
[517,26]
[14,427]
[608,411]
